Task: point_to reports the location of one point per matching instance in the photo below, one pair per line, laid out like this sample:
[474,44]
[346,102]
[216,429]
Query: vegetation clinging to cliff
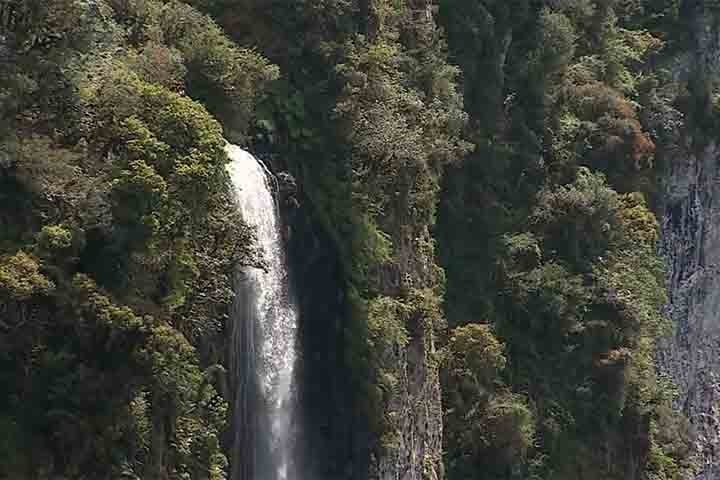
[119,238]
[522,120]
[562,267]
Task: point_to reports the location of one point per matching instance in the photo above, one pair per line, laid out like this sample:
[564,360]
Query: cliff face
[417,453]
[691,243]
[411,444]
[341,441]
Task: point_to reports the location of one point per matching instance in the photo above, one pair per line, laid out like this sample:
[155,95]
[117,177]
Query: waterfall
[263,343]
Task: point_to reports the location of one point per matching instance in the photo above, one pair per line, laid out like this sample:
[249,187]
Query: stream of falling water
[263,345]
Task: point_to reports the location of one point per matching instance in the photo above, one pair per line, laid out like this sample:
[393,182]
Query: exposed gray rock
[416,453]
[691,243]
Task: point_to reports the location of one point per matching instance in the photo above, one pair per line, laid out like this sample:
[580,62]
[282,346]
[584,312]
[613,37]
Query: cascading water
[264,324]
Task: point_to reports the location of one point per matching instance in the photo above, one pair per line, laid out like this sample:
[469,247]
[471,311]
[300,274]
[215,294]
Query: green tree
[488,429]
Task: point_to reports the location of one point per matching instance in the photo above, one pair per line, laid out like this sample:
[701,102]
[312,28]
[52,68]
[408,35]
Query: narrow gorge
[474,240]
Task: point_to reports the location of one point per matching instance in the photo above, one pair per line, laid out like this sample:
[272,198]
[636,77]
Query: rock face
[691,243]
[417,450]
[691,239]
[341,445]
[411,447]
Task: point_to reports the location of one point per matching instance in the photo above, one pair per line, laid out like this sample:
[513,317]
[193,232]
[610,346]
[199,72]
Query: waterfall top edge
[234,151]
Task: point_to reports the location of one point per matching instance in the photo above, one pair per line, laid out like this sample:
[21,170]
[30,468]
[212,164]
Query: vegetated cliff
[119,239]
[365,119]
[689,240]
[555,287]
[691,236]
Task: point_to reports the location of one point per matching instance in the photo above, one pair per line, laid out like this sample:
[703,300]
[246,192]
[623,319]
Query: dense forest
[470,191]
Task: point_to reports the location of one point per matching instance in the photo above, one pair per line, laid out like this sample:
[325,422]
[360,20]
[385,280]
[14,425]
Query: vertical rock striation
[691,243]
[414,410]
[691,240]
[417,452]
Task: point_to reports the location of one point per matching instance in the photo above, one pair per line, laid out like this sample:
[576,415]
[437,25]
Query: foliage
[118,236]
[20,278]
[178,47]
[489,429]
[582,318]
[535,240]
[528,128]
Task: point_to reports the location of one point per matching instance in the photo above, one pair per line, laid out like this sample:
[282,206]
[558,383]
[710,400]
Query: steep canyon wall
[691,243]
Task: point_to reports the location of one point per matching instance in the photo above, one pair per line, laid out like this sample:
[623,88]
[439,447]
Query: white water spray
[264,326]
